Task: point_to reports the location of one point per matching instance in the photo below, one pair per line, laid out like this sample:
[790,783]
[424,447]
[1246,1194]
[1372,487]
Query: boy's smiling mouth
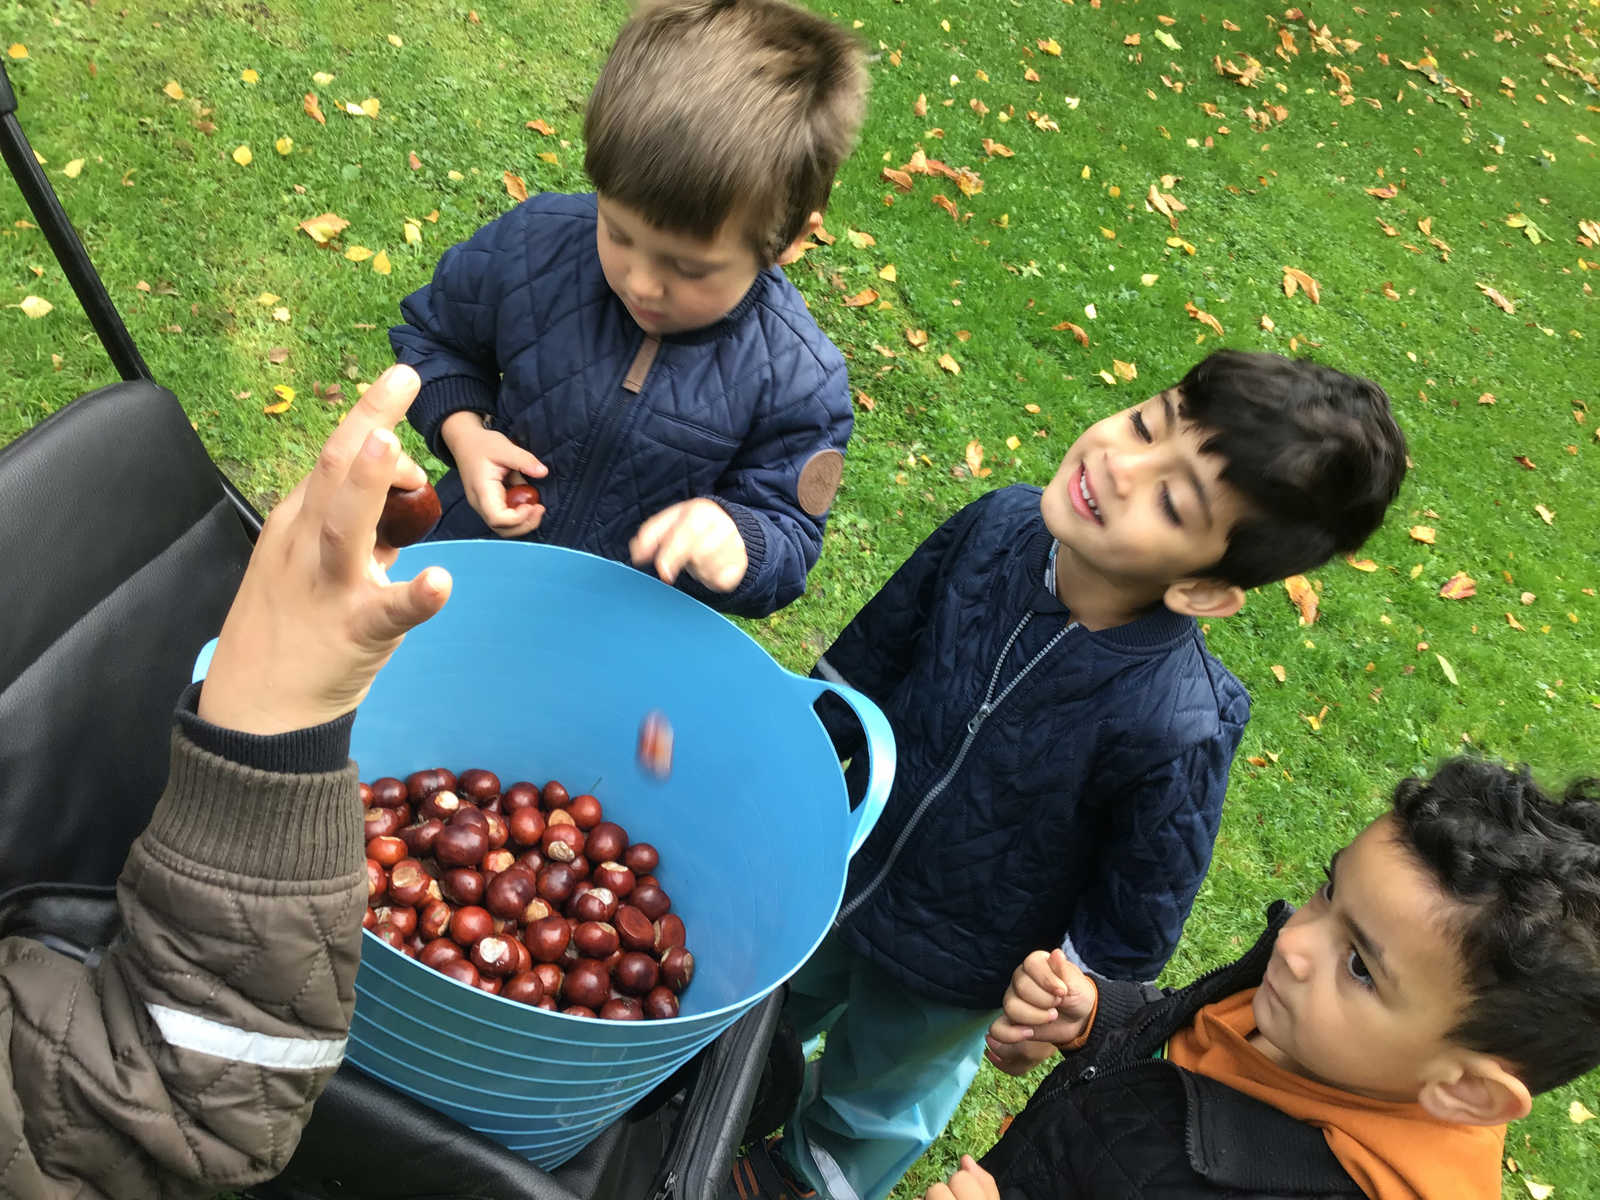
[1083,498]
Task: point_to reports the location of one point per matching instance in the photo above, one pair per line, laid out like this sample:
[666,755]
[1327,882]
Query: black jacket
[1052,781]
[1113,1122]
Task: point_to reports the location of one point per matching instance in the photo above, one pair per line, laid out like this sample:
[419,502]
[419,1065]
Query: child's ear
[797,247]
[1204,598]
[1476,1091]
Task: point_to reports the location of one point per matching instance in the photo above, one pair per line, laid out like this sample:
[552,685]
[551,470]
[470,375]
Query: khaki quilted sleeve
[187,1060]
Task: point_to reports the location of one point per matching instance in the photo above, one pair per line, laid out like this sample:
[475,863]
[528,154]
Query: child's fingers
[1020,1012]
[647,541]
[350,516]
[1039,968]
[527,463]
[676,549]
[939,1191]
[1007,1032]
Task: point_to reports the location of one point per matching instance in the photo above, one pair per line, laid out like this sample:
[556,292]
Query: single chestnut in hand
[408,515]
[519,494]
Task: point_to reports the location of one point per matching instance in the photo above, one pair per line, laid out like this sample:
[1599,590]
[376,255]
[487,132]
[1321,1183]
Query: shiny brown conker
[547,938]
[408,882]
[419,838]
[434,919]
[422,784]
[556,881]
[519,494]
[586,811]
[526,826]
[460,845]
[524,958]
[389,933]
[369,919]
[387,849]
[377,881]
[596,904]
[521,794]
[469,924]
[634,928]
[595,939]
[562,816]
[677,968]
[383,822]
[408,515]
[402,918]
[459,969]
[580,868]
[489,983]
[462,885]
[496,861]
[510,892]
[606,842]
[561,843]
[364,790]
[641,858]
[670,932]
[554,795]
[388,792]
[580,1010]
[660,1004]
[493,955]
[586,984]
[438,952]
[636,973]
[495,827]
[532,860]
[550,977]
[443,804]
[478,785]
[621,1008]
[649,899]
[523,987]
[615,876]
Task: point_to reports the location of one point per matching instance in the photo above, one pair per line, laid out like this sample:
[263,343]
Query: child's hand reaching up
[1047,1006]
[489,462]
[698,535]
[971,1182]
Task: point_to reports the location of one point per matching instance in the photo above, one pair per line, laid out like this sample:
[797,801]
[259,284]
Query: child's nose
[1295,950]
[644,283]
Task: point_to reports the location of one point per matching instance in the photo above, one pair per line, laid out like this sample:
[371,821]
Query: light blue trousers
[892,1074]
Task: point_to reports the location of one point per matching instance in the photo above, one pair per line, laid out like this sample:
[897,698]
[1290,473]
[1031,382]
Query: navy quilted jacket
[1113,1121]
[1052,782]
[519,324]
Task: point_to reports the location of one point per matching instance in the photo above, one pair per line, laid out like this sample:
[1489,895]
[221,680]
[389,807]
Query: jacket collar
[1158,629]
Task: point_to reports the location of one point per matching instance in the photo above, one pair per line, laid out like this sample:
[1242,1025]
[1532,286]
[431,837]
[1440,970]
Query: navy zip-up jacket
[1053,784]
[753,411]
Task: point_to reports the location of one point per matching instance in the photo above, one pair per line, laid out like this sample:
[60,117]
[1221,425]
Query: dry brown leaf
[1282,676]
[516,188]
[313,109]
[1422,533]
[862,298]
[1515,624]
[1294,276]
[996,149]
[1460,586]
[860,239]
[278,355]
[917,337]
[1500,301]
[1545,515]
[949,364]
[1203,317]
[1124,370]
[948,205]
[1303,596]
[1387,192]
[1075,330]
[900,179]
[538,125]
[1361,564]
[975,459]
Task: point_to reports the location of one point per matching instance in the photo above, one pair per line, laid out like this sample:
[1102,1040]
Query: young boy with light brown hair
[637,351]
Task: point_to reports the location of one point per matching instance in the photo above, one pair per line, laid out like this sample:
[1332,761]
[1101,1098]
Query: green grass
[210,236]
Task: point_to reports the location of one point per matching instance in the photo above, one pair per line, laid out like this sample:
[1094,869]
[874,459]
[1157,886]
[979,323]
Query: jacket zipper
[975,723]
[595,456]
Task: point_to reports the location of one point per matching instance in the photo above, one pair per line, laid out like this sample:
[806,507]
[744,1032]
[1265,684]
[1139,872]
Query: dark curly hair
[1526,869]
[1316,452]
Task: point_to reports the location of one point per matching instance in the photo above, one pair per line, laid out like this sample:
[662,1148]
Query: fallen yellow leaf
[888,272]
[1460,586]
[323,78]
[1124,370]
[281,315]
[243,156]
[1013,442]
[949,364]
[1515,624]
[1578,1114]
[862,298]
[173,90]
[1449,671]
[1279,673]
[860,239]
[1075,330]
[515,187]
[1294,277]
[357,253]
[917,337]
[73,169]
[1050,46]
[1545,515]
[380,262]
[1361,564]
[975,459]
[283,145]
[325,228]
[34,307]
[17,50]
[539,125]
[1539,1191]
[370,106]
[394,40]
[1422,533]
[313,109]
[249,75]
[413,234]
[1500,301]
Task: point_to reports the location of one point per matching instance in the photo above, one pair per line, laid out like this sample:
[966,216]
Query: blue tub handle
[880,753]
[202,661]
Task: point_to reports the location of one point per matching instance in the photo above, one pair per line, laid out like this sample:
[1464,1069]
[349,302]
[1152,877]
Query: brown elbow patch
[819,481]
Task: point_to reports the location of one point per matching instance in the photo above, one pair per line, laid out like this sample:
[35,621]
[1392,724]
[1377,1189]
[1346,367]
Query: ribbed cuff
[264,824]
[307,751]
[754,534]
[439,398]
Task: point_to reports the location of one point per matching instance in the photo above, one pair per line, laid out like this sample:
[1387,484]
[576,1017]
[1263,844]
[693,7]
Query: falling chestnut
[408,515]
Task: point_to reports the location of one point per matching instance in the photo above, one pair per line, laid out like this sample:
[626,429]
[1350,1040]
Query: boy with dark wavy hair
[637,350]
[1063,735]
[1373,1043]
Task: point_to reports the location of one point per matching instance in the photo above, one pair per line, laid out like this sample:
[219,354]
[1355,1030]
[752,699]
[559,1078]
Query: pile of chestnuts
[526,892]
